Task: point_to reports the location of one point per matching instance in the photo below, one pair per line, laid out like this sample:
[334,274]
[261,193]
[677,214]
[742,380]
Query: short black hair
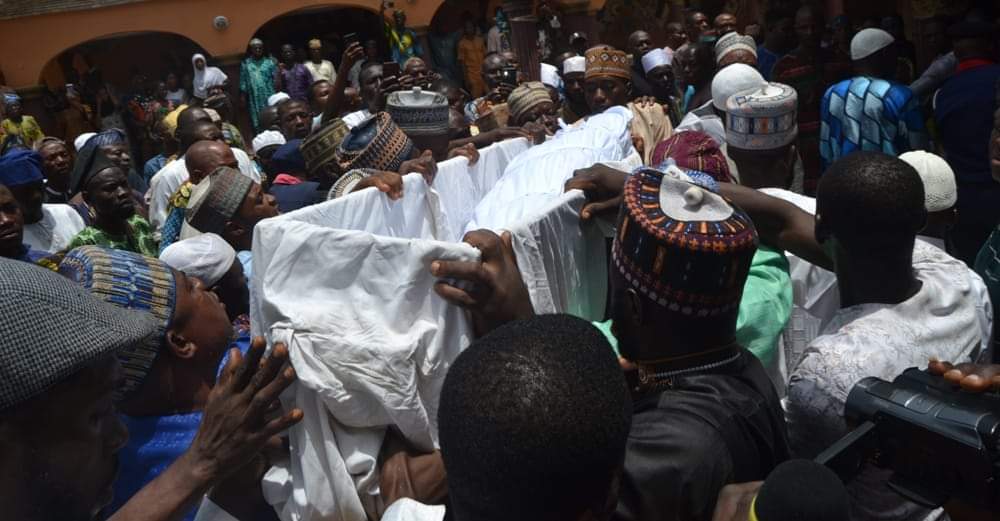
[533,422]
[188,135]
[872,202]
[312,89]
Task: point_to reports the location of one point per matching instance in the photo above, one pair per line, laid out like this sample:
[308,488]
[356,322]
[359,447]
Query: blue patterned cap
[764,118]
[130,281]
[20,167]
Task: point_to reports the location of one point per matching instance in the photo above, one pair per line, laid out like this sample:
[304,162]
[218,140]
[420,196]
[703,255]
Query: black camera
[939,441]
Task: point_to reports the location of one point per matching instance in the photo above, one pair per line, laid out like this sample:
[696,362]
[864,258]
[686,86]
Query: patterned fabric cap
[320,147]
[216,199]
[608,61]
[762,119]
[684,247]
[130,281]
[20,167]
[694,151]
[734,42]
[53,328]
[418,112]
[526,97]
[375,143]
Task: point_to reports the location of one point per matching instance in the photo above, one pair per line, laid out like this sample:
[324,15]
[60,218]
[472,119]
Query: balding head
[205,157]
[192,115]
[198,131]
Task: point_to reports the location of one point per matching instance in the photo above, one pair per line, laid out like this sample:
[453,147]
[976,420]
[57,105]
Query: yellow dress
[28,129]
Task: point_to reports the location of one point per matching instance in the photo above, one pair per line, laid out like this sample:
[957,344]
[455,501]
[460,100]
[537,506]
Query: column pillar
[524,35]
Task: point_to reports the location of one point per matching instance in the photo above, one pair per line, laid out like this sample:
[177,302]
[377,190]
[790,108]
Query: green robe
[257,83]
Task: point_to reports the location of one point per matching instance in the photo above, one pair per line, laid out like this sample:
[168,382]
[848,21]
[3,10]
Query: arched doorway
[122,65]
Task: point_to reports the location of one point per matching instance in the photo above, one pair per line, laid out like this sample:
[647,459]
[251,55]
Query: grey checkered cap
[50,328]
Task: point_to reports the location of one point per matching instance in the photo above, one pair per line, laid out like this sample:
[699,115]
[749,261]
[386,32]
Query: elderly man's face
[56,161]
[64,442]
[257,206]
[257,50]
[295,120]
[11,223]
[118,154]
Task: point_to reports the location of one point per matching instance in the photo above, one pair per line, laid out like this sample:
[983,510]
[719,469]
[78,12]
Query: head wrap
[940,191]
[111,136]
[685,249]
[734,42]
[206,78]
[868,42]
[215,201]
[267,138]
[288,159]
[656,58]
[607,61]
[315,44]
[206,257]
[9,98]
[82,139]
[320,148]
[375,143]
[762,119]
[170,120]
[737,77]
[78,330]
[89,162]
[131,281]
[550,76]
[418,112]
[574,64]
[276,98]
[693,151]
[20,167]
[526,97]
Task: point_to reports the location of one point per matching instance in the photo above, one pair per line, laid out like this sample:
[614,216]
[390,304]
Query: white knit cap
[550,76]
[734,42]
[276,98]
[575,64]
[655,58]
[737,77]
[267,138]
[868,42]
[82,139]
[940,192]
[206,257]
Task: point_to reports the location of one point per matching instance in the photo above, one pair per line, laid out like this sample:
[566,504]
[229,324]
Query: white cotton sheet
[346,284]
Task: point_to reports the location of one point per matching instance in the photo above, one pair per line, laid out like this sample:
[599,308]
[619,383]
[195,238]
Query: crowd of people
[798,213]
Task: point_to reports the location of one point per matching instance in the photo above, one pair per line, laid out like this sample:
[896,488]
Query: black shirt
[704,432]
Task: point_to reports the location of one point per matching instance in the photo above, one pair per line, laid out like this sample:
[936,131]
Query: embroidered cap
[684,248]
[526,97]
[418,112]
[375,143]
[320,148]
[131,281]
[734,42]
[607,61]
[266,139]
[215,201]
[762,119]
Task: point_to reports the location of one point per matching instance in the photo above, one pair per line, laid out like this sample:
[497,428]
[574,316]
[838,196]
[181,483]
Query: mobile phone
[390,69]
[508,75]
[350,38]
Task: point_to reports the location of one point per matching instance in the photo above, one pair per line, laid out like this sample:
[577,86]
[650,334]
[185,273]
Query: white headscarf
[206,78]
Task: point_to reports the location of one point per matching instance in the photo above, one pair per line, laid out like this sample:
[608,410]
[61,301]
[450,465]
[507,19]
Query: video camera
[939,442]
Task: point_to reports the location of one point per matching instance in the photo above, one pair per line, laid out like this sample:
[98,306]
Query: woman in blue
[257,77]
